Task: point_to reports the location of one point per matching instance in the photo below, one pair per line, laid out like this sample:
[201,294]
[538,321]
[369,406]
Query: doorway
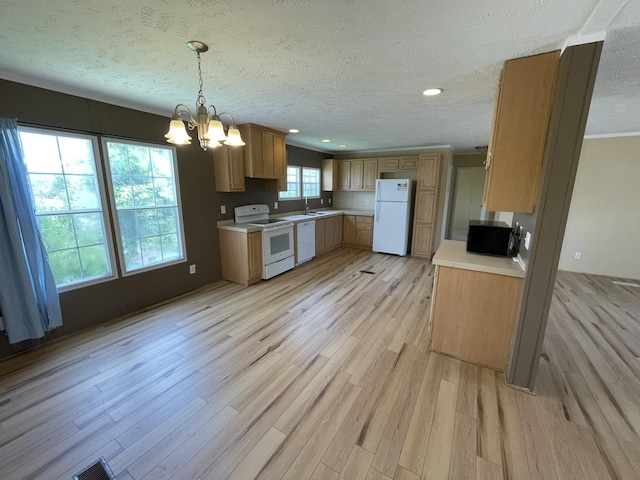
[468,200]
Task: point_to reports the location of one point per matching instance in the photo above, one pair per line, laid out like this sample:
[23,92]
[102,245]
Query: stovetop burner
[267,221]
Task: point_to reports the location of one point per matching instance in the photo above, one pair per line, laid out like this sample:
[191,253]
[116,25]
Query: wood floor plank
[404,474]
[463,449]
[514,453]
[323,472]
[390,446]
[357,465]
[438,456]
[486,470]
[535,440]
[488,420]
[414,449]
[253,462]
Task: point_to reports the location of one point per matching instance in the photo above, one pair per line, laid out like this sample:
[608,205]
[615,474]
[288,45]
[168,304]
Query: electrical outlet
[366,201]
[223,209]
[577,255]
[527,240]
[192,269]
[275,205]
[329,201]
[322,201]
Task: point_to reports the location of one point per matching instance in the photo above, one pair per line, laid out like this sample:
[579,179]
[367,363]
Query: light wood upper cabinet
[519,131]
[426,205]
[370,174]
[398,164]
[329,175]
[388,164]
[228,168]
[344,175]
[264,153]
[357,174]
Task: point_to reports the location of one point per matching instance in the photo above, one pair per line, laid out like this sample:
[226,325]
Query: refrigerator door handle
[376,208]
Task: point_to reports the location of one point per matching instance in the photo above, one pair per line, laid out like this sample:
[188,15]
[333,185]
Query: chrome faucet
[307,209]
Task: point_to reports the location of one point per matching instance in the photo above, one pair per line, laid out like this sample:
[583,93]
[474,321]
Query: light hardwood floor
[325,373]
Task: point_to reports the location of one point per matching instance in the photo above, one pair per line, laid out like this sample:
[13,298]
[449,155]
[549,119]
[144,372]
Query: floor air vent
[97,471]
[369,272]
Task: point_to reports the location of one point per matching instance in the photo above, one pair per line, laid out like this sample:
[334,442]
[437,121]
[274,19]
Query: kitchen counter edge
[452,253]
[294,217]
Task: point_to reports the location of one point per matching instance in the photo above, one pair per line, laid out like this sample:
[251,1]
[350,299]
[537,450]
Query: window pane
[142,191]
[64,177]
[41,153]
[151,250]
[128,224]
[77,155]
[311,182]
[132,254]
[83,192]
[147,203]
[293,183]
[122,191]
[57,232]
[66,266]
[49,192]
[118,160]
[94,261]
[88,229]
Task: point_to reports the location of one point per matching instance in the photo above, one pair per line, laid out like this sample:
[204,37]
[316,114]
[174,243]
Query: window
[311,182]
[144,188]
[293,184]
[308,183]
[66,184]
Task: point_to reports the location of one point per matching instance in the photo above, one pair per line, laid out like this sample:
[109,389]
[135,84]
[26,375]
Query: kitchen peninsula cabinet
[425,205]
[474,305]
[518,134]
[265,154]
[228,169]
[241,256]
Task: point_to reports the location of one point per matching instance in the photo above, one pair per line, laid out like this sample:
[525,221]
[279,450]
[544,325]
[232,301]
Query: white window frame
[299,175]
[114,210]
[319,171]
[106,226]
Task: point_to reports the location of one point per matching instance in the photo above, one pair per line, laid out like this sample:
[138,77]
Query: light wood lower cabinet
[358,231]
[328,234]
[241,256]
[473,315]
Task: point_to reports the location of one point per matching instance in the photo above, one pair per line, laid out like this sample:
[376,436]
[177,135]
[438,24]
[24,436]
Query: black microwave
[489,238]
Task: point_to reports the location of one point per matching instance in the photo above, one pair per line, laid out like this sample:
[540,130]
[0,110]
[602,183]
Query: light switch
[223,209]
[275,205]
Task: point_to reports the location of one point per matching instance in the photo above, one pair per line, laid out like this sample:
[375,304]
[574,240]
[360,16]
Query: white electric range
[277,238]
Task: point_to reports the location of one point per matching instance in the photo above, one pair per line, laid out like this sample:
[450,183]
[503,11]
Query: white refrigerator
[392,216]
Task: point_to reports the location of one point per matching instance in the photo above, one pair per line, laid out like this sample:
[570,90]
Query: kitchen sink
[313,214]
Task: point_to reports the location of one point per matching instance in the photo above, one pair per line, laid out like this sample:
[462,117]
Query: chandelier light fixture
[206,120]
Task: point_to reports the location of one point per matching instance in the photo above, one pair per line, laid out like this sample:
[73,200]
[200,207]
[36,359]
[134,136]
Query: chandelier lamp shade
[206,121]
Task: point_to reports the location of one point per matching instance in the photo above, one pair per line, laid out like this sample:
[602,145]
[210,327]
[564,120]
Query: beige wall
[604,218]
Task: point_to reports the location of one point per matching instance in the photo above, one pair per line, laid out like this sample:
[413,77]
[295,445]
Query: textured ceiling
[351,71]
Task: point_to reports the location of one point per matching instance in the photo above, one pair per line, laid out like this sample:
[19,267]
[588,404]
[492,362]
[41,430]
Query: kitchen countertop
[454,254]
[294,217]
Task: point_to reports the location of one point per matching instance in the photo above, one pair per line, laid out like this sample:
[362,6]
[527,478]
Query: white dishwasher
[306,241]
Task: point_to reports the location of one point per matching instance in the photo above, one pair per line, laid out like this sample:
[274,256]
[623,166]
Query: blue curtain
[28,295]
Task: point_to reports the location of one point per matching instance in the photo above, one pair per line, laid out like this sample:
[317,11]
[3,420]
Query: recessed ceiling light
[343,145]
[326,140]
[294,130]
[429,92]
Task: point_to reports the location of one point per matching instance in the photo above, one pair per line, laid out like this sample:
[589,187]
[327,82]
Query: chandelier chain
[200,100]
